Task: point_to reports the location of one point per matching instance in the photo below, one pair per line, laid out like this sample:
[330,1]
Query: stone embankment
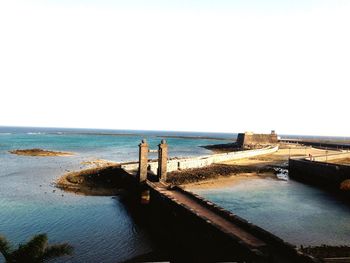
[319,171]
[202,161]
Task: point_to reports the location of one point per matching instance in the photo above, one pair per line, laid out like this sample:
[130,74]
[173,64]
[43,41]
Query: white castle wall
[202,161]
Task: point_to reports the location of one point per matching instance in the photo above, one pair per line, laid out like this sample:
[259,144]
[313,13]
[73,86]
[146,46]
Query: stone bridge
[201,230]
[194,162]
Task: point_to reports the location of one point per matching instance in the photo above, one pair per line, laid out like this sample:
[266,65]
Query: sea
[101,229]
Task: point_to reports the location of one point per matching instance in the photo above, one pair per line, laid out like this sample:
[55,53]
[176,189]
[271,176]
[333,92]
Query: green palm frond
[36,250]
[58,250]
[5,247]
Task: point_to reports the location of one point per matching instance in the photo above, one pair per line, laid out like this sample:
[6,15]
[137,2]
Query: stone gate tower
[143,161]
[162,160]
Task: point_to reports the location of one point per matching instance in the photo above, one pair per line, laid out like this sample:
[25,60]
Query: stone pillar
[143,161]
[162,160]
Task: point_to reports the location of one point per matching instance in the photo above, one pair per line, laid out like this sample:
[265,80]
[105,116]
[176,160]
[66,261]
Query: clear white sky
[224,66]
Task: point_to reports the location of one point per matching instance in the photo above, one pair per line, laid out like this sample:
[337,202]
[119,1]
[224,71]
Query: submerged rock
[40,152]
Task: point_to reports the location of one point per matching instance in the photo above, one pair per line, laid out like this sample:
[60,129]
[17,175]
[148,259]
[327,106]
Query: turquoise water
[298,213]
[99,228]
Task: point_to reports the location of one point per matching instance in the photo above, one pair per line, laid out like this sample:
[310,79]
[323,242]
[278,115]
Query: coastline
[99,177]
[47,206]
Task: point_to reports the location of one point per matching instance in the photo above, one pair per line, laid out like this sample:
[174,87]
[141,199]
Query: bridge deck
[205,213]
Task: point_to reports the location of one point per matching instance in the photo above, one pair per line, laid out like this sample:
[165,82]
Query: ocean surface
[101,228]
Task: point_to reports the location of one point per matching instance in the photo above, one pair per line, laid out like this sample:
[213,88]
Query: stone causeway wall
[202,161]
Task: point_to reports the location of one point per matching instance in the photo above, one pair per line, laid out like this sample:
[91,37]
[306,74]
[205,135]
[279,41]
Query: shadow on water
[180,236]
[173,241]
[141,216]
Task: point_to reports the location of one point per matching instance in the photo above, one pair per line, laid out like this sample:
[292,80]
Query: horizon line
[157,130]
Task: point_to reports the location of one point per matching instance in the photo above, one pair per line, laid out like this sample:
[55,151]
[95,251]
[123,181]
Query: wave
[10,174]
[35,133]
[5,133]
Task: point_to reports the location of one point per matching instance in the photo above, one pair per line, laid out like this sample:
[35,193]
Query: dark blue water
[99,228]
[298,213]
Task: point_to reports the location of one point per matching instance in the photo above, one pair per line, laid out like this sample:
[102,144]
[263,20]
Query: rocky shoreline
[215,171]
[95,181]
[40,152]
[222,148]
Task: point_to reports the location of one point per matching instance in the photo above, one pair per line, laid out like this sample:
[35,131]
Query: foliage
[36,250]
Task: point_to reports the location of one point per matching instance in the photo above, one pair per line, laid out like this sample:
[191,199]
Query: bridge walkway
[260,244]
[210,216]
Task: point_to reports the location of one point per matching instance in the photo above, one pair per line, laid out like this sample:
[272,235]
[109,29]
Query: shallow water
[298,213]
[99,228]
[102,230]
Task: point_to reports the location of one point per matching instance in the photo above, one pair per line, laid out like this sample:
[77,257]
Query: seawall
[327,175]
[202,161]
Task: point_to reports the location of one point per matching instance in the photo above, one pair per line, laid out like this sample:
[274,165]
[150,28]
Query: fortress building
[249,140]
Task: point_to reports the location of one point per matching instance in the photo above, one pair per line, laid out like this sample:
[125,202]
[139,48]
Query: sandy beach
[222,181]
[220,174]
[280,157]
[345,161]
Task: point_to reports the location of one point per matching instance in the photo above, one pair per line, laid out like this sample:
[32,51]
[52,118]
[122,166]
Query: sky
[211,66]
